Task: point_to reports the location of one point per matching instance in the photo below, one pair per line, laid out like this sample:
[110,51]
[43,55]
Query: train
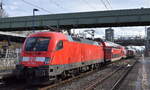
[131,53]
[50,56]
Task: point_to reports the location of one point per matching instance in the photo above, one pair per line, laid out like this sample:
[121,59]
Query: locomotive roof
[108,43]
[69,38]
[46,33]
[76,39]
[49,34]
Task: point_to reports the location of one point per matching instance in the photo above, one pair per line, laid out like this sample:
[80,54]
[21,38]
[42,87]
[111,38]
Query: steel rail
[100,80]
[68,80]
[74,78]
[120,80]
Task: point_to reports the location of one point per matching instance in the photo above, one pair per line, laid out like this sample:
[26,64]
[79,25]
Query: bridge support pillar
[147,44]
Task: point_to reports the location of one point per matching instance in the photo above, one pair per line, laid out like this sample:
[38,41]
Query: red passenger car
[131,53]
[114,51]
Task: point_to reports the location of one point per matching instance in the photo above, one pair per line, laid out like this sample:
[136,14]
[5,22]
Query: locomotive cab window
[37,44]
[59,45]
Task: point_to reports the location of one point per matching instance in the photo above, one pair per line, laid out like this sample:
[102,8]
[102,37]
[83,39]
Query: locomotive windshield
[37,44]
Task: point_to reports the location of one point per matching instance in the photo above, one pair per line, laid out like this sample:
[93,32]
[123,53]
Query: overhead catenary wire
[104,4]
[109,3]
[57,4]
[37,6]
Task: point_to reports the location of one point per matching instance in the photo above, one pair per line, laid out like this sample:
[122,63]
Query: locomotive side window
[59,45]
[37,44]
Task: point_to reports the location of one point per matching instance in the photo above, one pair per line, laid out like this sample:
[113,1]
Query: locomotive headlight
[41,59]
[47,59]
[24,59]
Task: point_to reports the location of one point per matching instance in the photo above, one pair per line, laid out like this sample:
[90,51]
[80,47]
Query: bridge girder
[114,18]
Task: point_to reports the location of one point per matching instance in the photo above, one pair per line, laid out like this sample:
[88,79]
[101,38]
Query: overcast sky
[20,8]
[24,8]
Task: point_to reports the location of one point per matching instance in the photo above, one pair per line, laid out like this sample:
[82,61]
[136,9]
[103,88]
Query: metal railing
[8,59]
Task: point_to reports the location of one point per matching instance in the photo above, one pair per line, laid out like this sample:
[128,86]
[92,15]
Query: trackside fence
[8,59]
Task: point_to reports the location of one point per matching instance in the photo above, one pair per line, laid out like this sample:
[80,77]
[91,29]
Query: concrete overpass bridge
[128,42]
[114,18]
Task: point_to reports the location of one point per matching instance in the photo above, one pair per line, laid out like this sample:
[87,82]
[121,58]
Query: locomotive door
[61,53]
[108,54]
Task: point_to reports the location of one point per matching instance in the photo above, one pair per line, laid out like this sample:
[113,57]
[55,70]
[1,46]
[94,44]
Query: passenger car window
[59,45]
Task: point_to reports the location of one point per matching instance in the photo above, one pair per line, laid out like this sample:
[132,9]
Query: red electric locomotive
[50,55]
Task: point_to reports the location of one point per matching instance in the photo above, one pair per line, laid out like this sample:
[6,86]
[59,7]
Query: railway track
[99,80]
[109,82]
[120,80]
[69,81]
[25,86]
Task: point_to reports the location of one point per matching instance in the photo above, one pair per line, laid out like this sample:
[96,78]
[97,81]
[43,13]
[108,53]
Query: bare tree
[3,13]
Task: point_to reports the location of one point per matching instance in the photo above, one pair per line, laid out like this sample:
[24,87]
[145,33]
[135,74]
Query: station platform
[139,76]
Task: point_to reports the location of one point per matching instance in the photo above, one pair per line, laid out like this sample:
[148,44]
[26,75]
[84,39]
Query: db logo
[32,62]
[32,58]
